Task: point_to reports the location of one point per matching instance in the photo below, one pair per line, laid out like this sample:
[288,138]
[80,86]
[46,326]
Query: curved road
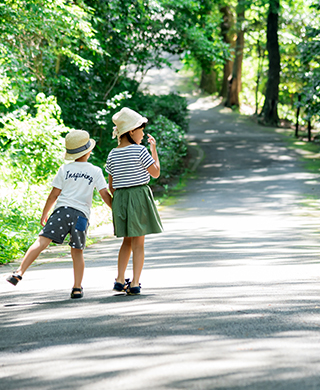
[230,296]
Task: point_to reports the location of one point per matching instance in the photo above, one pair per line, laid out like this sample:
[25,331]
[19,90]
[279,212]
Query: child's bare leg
[123,258]
[78,267]
[137,259]
[32,253]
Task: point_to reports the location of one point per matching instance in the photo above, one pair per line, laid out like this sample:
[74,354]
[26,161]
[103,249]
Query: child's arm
[154,169]
[106,197]
[53,196]
[110,184]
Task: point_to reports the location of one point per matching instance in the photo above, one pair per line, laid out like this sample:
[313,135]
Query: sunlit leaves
[197,26]
[36,33]
[310,72]
[32,146]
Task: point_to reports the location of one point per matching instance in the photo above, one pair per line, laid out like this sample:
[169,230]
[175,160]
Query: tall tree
[227,32]
[235,82]
[208,81]
[270,109]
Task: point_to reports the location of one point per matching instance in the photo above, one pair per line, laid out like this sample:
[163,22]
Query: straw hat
[78,143]
[126,120]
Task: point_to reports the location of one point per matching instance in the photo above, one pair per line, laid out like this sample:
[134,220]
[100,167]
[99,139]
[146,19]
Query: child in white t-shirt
[72,195]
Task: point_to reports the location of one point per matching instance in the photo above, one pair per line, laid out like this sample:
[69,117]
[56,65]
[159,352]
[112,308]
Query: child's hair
[129,138]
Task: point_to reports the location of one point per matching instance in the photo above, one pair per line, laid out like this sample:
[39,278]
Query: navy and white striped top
[128,166]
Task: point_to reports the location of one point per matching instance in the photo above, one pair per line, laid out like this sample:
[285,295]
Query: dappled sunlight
[238,324]
[204,103]
[232,281]
[286,176]
[211,131]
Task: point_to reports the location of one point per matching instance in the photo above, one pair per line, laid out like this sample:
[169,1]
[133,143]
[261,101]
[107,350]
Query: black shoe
[121,287]
[14,279]
[77,290]
[133,290]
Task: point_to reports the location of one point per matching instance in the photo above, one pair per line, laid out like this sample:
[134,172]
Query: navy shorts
[66,220]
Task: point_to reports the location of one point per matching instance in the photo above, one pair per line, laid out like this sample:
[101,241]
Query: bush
[20,213]
[172,106]
[171,147]
[167,118]
[32,150]
[32,147]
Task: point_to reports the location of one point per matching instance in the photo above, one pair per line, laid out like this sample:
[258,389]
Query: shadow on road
[230,290]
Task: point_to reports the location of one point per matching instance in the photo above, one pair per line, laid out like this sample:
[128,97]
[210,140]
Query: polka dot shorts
[66,220]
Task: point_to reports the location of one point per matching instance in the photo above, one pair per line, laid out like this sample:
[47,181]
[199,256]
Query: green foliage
[20,215]
[171,146]
[31,152]
[255,63]
[37,35]
[172,106]
[133,35]
[7,95]
[132,32]
[310,72]
[32,146]
[81,52]
[197,26]
[138,39]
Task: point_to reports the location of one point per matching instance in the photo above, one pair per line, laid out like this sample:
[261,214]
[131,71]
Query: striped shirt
[128,166]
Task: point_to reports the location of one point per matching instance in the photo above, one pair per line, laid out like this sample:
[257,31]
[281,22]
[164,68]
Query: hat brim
[139,123]
[136,125]
[69,156]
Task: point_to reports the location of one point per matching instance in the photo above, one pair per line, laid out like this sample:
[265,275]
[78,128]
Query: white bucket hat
[78,143]
[126,120]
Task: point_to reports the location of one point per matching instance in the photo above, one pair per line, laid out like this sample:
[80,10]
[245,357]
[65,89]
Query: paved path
[230,290]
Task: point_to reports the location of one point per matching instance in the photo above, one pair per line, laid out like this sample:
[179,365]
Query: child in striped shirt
[134,212]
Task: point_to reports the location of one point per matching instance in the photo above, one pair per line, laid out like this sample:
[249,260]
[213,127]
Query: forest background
[72,64]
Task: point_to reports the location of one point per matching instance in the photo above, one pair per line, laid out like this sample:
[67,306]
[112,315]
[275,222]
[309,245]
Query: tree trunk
[227,34]
[298,113]
[208,81]
[260,53]
[235,82]
[309,130]
[270,107]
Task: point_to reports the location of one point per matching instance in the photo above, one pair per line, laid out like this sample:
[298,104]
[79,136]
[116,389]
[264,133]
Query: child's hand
[152,142]
[44,219]
[154,169]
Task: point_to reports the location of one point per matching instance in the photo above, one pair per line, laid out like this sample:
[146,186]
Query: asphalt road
[230,290]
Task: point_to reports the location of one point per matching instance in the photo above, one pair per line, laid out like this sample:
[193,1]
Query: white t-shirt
[128,166]
[77,181]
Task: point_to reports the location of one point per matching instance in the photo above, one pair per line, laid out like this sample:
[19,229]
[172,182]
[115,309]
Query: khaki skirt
[134,212]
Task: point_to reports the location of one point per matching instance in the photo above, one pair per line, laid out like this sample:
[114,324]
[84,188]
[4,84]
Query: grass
[309,152]
[170,192]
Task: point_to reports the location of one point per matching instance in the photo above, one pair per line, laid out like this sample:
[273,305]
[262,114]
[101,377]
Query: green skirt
[134,212]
